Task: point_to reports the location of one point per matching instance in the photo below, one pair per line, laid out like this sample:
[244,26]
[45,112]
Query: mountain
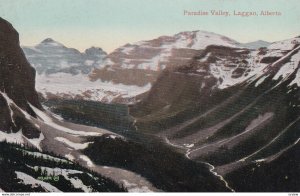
[50,57]
[26,125]
[123,76]
[59,67]
[23,166]
[17,87]
[41,152]
[231,108]
[256,44]
[234,109]
[44,172]
[218,117]
[141,63]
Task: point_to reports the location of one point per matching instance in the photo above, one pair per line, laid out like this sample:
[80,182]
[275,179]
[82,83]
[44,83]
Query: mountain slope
[279,175]
[17,86]
[255,119]
[44,138]
[140,63]
[18,124]
[59,67]
[49,57]
[126,74]
[27,170]
[24,121]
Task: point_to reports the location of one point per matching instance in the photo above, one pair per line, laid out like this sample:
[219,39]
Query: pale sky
[113,23]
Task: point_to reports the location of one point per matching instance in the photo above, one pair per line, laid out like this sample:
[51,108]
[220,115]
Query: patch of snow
[189,145]
[33,48]
[132,187]
[87,160]
[226,74]
[197,40]
[202,85]
[26,179]
[204,39]
[113,136]
[76,146]
[12,103]
[36,125]
[205,58]
[89,62]
[261,80]
[260,119]
[58,117]
[127,50]
[297,79]
[201,39]
[76,182]
[274,53]
[105,63]
[9,103]
[63,84]
[70,157]
[63,64]
[37,141]
[170,143]
[12,137]
[201,70]
[48,120]
[288,44]
[44,156]
[260,160]
[288,68]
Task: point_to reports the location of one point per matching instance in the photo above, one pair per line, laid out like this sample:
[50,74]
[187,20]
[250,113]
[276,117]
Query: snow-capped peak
[164,51]
[201,39]
[50,42]
[189,39]
[287,44]
[47,40]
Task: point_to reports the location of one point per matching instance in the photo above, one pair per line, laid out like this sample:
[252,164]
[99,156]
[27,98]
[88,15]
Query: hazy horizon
[82,49]
[110,24]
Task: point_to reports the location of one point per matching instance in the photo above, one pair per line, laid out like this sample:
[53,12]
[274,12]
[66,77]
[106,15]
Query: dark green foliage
[166,169]
[110,116]
[13,158]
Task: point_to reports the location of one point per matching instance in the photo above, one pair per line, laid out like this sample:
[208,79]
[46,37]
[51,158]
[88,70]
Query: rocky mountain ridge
[130,68]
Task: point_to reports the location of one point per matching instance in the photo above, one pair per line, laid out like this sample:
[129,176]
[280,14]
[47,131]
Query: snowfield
[164,45]
[12,137]
[26,179]
[76,146]
[70,86]
[132,187]
[49,121]
[77,183]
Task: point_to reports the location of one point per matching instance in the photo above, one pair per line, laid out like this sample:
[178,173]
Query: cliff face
[17,84]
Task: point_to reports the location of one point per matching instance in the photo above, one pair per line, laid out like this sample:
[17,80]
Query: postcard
[161,96]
